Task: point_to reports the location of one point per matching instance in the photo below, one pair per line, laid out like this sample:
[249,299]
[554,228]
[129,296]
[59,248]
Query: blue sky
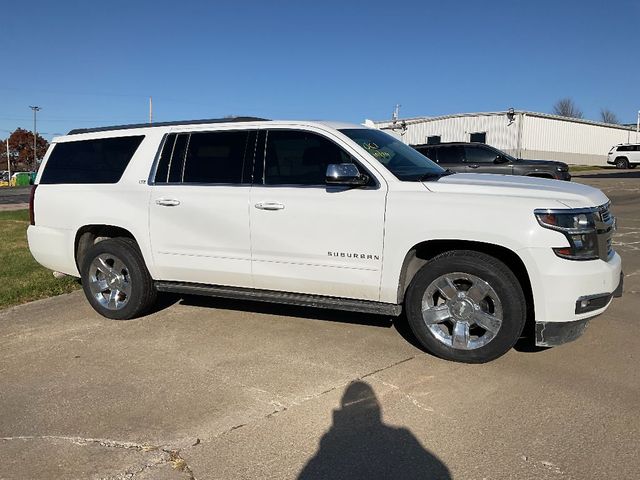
[96,63]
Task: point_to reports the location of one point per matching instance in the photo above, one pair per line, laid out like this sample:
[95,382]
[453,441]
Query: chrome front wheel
[466,306]
[462,311]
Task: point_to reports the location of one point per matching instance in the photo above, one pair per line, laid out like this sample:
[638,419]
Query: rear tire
[115,279]
[622,163]
[466,306]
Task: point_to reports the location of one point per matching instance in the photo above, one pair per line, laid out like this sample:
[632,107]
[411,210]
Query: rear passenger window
[627,148]
[207,157]
[176,162]
[90,161]
[215,157]
[453,154]
[430,153]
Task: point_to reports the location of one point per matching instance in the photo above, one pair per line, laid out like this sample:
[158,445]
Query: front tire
[622,163]
[466,306]
[115,279]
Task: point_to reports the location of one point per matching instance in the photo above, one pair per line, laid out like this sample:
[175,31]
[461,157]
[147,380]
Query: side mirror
[345,174]
[500,159]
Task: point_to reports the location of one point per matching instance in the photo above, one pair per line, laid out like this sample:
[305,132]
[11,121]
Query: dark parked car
[482,158]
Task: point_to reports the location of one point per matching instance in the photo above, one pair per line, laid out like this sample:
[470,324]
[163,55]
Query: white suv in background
[323,214]
[624,155]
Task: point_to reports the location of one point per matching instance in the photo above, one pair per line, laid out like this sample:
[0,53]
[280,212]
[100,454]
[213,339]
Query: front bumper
[558,283]
[551,334]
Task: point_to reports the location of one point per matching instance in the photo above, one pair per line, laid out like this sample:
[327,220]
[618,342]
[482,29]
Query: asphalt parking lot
[14,198]
[206,388]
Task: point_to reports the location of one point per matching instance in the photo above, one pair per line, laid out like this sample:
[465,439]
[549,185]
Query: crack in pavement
[172,455]
[301,401]
[166,453]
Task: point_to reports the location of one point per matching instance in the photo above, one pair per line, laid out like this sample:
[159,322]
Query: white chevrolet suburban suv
[322,214]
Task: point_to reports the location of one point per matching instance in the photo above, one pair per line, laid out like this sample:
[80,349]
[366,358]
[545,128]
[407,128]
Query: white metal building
[523,134]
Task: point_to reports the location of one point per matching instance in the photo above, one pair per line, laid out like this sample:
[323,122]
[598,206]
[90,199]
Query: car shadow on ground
[383,321]
[359,445]
[526,343]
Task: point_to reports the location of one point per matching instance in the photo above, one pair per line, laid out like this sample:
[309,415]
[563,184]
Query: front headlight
[578,226]
[562,168]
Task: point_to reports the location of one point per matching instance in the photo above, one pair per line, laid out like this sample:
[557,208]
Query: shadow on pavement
[289,311]
[527,341]
[617,174]
[360,446]
[525,344]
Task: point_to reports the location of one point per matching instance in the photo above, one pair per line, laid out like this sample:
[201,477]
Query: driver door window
[299,158]
[482,160]
[479,155]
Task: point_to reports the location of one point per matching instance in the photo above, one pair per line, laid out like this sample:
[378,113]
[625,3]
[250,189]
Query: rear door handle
[167,202]
[473,165]
[269,206]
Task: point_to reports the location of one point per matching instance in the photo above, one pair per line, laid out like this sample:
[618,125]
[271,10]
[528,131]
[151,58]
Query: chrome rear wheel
[115,279]
[109,281]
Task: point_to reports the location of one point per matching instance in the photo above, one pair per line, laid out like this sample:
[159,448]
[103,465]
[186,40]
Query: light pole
[638,126]
[35,138]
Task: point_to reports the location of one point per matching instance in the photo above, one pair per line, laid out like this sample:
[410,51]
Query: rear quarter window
[102,160]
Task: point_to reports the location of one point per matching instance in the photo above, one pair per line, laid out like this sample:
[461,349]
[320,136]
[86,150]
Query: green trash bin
[22,179]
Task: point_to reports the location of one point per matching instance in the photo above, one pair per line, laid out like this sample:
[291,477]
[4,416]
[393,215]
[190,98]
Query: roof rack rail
[76,131]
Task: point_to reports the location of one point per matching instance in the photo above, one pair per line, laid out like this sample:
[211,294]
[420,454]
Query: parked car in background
[624,155]
[483,158]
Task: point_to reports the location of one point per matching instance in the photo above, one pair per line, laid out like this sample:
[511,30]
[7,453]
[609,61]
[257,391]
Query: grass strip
[22,279]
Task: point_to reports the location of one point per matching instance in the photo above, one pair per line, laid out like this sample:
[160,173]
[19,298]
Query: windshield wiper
[435,175]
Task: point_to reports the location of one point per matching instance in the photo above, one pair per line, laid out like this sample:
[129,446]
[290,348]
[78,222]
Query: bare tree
[608,116]
[566,107]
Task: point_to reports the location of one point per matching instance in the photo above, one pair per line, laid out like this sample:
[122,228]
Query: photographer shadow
[360,446]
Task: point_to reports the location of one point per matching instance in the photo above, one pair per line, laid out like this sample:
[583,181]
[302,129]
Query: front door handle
[269,206]
[473,165]
[167,202]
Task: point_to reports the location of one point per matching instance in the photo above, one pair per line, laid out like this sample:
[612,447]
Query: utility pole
[150,110]
[396,113]
[35,137]
[638,126]
[8,163]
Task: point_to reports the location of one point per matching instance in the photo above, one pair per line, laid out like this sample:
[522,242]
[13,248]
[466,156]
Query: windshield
[403,161]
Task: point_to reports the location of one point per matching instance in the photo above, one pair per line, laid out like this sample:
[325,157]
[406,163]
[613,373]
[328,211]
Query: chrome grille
[605,228]
[605,214]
